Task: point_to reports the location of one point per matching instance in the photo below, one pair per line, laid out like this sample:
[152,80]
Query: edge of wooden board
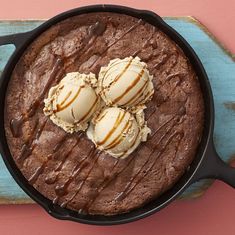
[12,201]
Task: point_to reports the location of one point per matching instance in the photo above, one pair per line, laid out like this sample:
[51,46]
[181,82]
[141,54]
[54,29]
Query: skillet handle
[17,39]
[214,167]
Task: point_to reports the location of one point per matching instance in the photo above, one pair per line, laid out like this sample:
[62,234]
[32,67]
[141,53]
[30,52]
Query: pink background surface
[214,213]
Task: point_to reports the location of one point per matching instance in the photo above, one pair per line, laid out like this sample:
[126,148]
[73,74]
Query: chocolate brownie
[67,168]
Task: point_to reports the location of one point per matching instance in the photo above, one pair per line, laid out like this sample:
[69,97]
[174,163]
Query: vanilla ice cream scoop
[72,102]
[117,132]
[125,82]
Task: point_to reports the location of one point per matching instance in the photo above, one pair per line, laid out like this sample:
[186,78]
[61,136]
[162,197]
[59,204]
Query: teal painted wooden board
[219,65]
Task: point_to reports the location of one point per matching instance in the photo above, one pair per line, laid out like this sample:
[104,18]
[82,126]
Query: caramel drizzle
[59,144]
[118,76]
[181,111]
[117,40]
[42,168]
[65,99]
[30,144]
[137,95]
[33,178]
[16,123]
[105,183]
[93,32]
[164,124]
[137,79]
[89,111]
[168,78]
[72,113]
[116,125]
[102,116]
[61,190]
[83,182]
[108,69]
[128,189]
[58,168]
[60,107]
[148,95]
[108,180]
[120,137]
[128,31]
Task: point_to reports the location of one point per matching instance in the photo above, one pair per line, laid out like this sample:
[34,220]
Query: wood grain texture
[220,67]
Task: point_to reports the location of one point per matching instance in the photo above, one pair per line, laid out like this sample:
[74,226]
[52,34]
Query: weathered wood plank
[220,67]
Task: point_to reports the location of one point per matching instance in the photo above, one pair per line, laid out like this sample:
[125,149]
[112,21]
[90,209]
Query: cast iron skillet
[206,164]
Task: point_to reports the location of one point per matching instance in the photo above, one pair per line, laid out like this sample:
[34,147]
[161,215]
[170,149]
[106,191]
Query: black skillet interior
[202,166]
